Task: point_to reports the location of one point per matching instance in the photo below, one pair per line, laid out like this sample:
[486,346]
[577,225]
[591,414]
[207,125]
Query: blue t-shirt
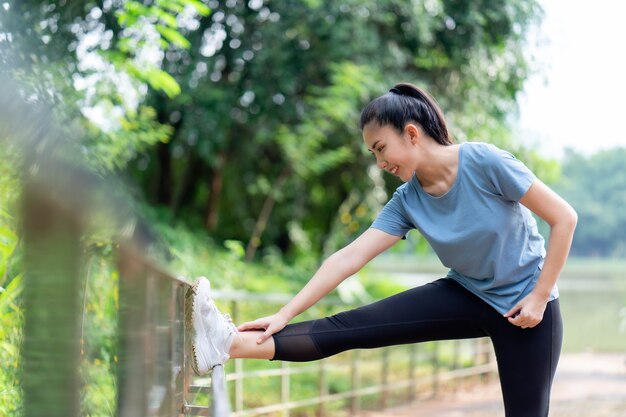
[478,228]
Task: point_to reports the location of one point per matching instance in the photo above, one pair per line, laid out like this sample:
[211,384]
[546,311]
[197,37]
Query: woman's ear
[413,132]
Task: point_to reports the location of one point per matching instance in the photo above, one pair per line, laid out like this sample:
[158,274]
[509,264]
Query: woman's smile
[391,149]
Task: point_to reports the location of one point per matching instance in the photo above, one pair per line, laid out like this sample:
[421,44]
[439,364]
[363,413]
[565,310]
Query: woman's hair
[406,103]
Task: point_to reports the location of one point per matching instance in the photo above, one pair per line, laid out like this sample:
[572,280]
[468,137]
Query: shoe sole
[196,328]
[189,309]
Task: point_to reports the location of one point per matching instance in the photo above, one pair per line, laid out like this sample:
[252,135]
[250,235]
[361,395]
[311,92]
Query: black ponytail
[405,103]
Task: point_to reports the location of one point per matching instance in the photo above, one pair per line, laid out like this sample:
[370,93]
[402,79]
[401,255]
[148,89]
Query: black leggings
[441,310]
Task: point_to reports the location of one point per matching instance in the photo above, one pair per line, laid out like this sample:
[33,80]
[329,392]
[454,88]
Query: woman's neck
[438,169]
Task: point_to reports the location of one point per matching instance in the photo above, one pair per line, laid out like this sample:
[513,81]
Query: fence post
[181,378]
[456,358]
[284,387]
[153,372]
[52,308]
[238,365]
[323,387]
[355,399]
[483,356]
[132,384]
[435,364]
[384,399]
[412,371]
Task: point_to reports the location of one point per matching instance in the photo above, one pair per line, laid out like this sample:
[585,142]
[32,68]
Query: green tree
[596,187]
[248,128]
[89,60]
[268,85]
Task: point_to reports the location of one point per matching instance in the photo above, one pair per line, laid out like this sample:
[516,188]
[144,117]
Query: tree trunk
[215,186]
[164,175]
[266,211]
[165,184]
[194,172]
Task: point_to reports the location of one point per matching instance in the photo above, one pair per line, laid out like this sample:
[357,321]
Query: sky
[577,97]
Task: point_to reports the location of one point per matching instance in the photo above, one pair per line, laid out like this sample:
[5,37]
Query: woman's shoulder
[405,188]
[480,148]
[482,153]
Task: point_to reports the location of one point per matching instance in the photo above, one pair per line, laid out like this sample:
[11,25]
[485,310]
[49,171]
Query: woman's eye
[381,149]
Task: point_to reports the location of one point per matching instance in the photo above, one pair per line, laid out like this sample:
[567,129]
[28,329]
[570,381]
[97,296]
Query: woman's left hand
[528,312]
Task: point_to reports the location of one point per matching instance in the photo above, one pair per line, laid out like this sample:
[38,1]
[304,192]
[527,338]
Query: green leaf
[166,18]
[174,6]
[173,36]
[125,19]
[200,7]
[132,70]
[7,237]
[179,5]
[235,248]
[135,8]
[11,292]
[161,80]
[5,214]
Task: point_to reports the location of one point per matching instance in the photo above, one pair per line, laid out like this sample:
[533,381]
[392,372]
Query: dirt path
[586,385]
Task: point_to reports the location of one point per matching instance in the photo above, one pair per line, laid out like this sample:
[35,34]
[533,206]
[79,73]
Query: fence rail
[154,371]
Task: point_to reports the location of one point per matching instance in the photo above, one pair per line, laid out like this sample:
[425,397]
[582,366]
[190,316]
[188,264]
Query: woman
[473,204]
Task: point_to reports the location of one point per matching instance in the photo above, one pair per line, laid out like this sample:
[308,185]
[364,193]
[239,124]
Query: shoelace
[226,317]
[229,321]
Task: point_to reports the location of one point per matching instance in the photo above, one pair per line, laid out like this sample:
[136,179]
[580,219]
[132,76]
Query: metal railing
[154,369]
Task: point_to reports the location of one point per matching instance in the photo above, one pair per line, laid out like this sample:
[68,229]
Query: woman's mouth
[394,170]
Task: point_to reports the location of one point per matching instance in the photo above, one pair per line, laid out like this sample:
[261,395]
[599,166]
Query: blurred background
[234,128]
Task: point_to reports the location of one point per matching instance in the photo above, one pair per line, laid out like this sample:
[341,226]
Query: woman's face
[394,151]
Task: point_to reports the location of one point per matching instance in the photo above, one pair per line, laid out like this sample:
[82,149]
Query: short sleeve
[392,218]
[509,176]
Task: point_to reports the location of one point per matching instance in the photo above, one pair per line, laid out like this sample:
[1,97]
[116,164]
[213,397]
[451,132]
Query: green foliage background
[596,186]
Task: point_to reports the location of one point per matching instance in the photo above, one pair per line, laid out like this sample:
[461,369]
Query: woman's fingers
[528,313]
[253,325]
[266,335]
[525,319]
[270,325]
[257,325]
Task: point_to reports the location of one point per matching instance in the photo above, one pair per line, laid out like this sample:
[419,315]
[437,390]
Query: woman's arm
[333,271]
[562,218]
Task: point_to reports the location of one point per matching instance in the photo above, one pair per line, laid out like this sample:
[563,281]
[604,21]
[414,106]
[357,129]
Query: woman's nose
[382,164]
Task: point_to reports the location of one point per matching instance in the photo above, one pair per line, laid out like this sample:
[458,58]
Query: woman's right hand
[271,324]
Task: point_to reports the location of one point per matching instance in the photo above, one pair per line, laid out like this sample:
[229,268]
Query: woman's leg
[436,311]
[527,360]
[245,346]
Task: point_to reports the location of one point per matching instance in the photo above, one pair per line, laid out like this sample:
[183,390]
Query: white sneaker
[211,332]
